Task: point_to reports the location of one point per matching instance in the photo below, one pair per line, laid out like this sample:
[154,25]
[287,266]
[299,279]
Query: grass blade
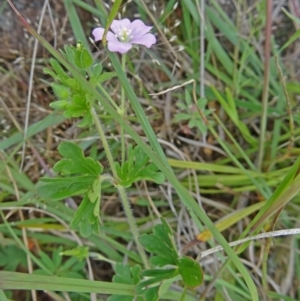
[22,281]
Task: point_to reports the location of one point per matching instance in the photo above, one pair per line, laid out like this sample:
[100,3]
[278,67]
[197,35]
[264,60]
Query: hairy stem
[122,133]
[108,97]
[104,142]
[132,224]
[125,201]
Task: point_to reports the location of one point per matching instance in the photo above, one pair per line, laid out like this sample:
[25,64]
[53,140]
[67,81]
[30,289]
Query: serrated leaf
[201,126]
[161,244]
[191,272]
[68,268]
[84,218]
[61,91]
[181,105]
[11,257]
[61,188]
[59,104]
[86,121]
[74,161]
[57,257]
[85,229]
[77,107]
[192,123]
[83,58]
[188,98]
[151,294]
[126,275]
[46,260]
[96,70]
[58,69]
[103,77]
[69,54]
[51,73]
[80,252]
[95,191]
[202,102]
[151,174]
[182,116]
[73,84]
[136,168]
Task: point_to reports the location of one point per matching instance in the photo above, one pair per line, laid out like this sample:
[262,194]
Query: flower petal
[117,46]
[111,37]
[138,28]
[98,34]
[147,40]
[119,24]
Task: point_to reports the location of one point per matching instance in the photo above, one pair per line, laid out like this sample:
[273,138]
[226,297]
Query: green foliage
[190,113]
[161,243]
[74,161]
[11,257]
[138,168]
[85,219]
[73,99]
[81,176]
[190,271]
[69,268]
[127,275]
[82,57]
[155,277]
[61,188]
[131,275]
[152,283]
[80,252]
[96,75]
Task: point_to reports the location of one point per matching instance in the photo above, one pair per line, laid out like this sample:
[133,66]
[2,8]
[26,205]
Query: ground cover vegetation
[149,150]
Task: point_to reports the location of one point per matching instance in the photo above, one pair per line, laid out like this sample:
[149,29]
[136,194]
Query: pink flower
[124,34]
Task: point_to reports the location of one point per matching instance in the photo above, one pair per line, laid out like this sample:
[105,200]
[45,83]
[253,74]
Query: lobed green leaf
[74,161]
[161,244]
[191,272]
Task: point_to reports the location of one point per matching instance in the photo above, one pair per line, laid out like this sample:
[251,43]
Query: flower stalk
[104,142]
[123,35]
[132,224]
[125,201]
[123,113]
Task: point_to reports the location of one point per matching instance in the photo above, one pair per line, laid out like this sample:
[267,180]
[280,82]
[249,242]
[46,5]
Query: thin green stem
[123,113]
[108,97]
[104,142]
[132,224]
[121,190]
